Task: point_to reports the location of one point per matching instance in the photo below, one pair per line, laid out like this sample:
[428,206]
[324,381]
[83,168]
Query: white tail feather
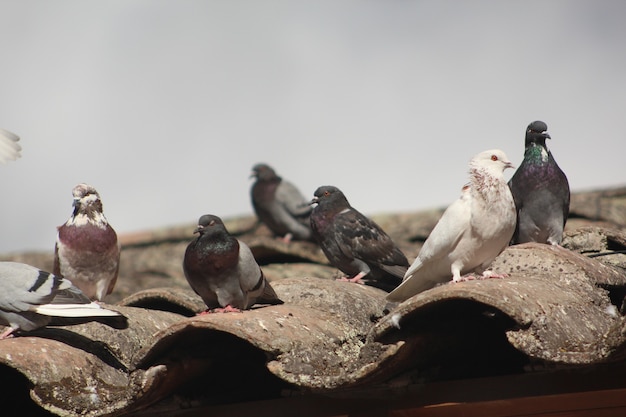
[9,148]
[75,310]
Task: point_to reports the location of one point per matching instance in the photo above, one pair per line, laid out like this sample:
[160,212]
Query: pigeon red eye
[494,158]
[327,193]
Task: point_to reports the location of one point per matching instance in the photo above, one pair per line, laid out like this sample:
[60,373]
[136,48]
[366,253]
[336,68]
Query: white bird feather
[471,232]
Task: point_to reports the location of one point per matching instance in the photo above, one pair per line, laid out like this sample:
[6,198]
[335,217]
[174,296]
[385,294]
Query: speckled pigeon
[280,205]
[30,298]
[9,148]
[87,251]
[471,232]
[222,270]
[354,243]
[540,190]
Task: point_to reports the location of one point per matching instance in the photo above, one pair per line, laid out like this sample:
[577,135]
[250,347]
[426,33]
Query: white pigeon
[471,233]
[9,148]
[30,297]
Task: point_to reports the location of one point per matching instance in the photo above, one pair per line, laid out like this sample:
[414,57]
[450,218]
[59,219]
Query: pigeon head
[264,172]
[536,133]
[87,206]
[494,161]
[328,195]
[209,224]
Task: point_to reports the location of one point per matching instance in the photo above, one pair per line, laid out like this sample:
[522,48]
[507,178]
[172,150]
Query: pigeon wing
[425,272]
[292,199]
[24,286]
[252,281]
[563,192]
[362,238]
[9,148]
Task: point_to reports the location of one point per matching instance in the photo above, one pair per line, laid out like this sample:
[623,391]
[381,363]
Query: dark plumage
[87,251]
[280,205]
[223,271]
[354,243]
[30,297]
[540,190]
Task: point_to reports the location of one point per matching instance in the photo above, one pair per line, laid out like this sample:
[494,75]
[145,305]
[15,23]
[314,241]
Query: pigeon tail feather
[75,310]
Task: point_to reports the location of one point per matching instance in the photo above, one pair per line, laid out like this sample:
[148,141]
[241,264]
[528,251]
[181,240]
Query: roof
[533,341]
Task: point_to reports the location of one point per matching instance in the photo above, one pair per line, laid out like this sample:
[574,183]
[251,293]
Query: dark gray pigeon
[355,244]
[9,148]
[87,251]
[30,298]
[540,190]
[280,205]
[222,270]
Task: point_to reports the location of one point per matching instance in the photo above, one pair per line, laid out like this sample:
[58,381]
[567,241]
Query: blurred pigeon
[30,297]
[280,205]
[540,190]
[87,251]
[9,148]
[471,232]
[354,243]
[223,271]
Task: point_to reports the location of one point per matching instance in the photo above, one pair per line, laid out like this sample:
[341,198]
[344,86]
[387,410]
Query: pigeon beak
[545,135]
[508,164]
[198,229]
[76,202]
[314,201]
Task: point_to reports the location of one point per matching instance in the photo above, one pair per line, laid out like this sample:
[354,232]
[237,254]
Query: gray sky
[164,106]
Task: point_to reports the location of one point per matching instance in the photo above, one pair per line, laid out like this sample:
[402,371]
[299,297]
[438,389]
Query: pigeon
[222,270]
[280,205]
[9,148]
[354,243]
[540,190]
[87,251]
[471,232]
[30,298]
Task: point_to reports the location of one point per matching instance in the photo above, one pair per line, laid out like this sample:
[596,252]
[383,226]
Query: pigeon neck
[219,240]
[485,182]
[271,179]
[94,218]
[537,153]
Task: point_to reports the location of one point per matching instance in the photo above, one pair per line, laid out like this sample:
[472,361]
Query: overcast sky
[164,106]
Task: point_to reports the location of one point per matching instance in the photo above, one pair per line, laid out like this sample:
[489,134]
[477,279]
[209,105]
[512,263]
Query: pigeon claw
[464,278]
[8,333]
[485,275]
[490,274]
[227,309]
[355,279]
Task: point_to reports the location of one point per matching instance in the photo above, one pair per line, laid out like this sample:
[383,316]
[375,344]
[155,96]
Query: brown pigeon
[87,251]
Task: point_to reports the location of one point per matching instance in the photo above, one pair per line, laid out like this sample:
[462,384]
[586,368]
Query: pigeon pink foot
[8,333]
[355,279]
[227,309]
[490,274]
[464,278]
[287,238]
